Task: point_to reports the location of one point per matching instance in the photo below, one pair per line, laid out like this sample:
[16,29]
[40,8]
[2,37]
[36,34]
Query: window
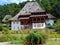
[17,22]
[38,25]
[33,5]
[21,22]
[14,28]
[34,25]
[42,19]
[42,25]
[29,11]
[18,28]
[38,19]
[34,19]
[26,12]
[29,8]
[23,10]
[14,22]
[38,9]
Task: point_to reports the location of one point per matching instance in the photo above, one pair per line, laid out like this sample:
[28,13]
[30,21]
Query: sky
[2,2]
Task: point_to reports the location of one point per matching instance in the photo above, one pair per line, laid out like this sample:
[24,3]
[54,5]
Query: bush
[20,31]
[57,26]
[5,38]
[35,39]
[9,37]
[1,27]
[5,31]
[15,31]
[50,26]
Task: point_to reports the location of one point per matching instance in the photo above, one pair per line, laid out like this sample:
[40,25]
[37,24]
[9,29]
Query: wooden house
[32,16]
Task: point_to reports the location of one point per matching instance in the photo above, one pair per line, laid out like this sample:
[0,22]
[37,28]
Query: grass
[53,42]
[49,42]
[24,33]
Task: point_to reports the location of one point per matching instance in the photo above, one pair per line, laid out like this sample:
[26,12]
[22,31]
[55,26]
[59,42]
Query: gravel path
[4,43]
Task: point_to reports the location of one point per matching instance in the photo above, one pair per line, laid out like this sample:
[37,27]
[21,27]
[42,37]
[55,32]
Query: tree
[13,9]
[28,0]
[51,6]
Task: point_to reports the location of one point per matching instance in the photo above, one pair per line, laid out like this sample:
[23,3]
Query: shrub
[50,26]
[15,38]
[1,27]
[35,39]
[5,38]
[57,26]
[17,42]
[5,31]
[15,31]
[9,37]
[20,31]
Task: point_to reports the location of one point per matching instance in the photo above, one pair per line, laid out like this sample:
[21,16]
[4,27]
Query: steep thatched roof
[28,8]
[6,17]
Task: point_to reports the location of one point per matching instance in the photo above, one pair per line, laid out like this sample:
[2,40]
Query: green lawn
[20,35]
[50,42]
[53,42]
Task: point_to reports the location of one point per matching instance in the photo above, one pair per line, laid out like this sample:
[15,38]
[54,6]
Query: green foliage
[50,26]
[28,0]
[5,38]
[9,37]
[20,31]
[1,27]
[51,6]
[22,37]
[7,19]
[35,39]
[53,34]
[5,31]
[57,26]
[17,42]
[15,31]
[10,9]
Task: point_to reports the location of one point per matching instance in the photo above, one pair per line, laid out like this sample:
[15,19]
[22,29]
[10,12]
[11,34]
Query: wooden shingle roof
[36,15]
[28,8]
[50,16]
[7,16]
